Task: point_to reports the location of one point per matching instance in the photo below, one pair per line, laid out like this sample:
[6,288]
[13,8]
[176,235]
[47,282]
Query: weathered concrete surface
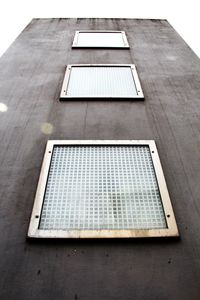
[31,74]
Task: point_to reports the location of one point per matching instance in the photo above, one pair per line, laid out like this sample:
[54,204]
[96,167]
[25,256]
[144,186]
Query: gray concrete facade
[31,75]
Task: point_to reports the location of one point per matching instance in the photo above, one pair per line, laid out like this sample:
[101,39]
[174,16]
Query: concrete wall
[31,74]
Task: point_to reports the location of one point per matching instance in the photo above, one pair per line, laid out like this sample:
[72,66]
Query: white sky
[183,15]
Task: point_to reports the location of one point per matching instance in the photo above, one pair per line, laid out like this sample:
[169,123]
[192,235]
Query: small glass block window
[100,39]
[101,81]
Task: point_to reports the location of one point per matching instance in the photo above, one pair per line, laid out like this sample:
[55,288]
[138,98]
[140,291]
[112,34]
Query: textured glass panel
[102,187]
[100,39]
[101,82]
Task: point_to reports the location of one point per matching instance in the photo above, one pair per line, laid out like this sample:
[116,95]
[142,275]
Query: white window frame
[170,231]
[136,81]
[124,38]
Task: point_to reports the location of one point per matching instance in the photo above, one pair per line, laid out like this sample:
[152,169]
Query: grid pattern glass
[100,39]
[102,81]
[102,187]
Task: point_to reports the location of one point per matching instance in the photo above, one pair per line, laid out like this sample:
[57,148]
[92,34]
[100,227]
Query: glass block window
[101,188]
[101,81]
[100,39]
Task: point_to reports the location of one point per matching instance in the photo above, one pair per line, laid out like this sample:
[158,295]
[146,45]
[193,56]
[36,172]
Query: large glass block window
[102,190]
